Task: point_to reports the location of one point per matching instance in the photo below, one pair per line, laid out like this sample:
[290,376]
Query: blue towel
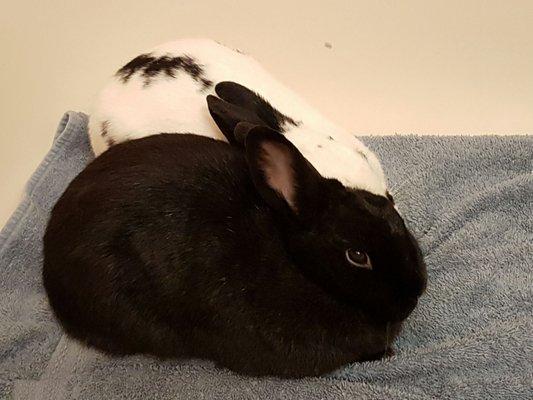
[469,201]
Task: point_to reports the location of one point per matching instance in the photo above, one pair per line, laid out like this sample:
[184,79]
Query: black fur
[104,132]
[245,98]
[135,65]
[362,155]
[227,116]
[149,67]
[177,246]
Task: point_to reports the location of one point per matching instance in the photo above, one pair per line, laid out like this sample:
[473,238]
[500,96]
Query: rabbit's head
[350,242]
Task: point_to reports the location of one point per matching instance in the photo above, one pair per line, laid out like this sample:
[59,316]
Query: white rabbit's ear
[227,116]
[281,174]
[241,96]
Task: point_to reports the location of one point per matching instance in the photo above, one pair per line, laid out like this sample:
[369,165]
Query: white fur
[179,105]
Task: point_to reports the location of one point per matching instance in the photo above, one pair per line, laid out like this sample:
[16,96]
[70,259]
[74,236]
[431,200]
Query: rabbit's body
[177,245]
[164,90]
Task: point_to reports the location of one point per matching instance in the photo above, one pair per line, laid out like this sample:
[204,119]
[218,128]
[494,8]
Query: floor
[376,67]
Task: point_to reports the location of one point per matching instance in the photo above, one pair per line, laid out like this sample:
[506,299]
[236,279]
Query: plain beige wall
[425,67]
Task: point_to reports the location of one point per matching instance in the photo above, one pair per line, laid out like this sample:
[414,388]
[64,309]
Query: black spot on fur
[104,132]
[134,65]
[254,103]
[389,196]
[274,119]
[284,119]
[362,154]
[165,64]
[150,67]
[206,83]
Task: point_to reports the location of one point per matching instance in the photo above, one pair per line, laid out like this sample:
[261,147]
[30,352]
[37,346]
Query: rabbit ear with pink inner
[281,174]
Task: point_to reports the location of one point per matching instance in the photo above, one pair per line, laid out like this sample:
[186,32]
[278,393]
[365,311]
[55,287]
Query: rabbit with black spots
[163,90]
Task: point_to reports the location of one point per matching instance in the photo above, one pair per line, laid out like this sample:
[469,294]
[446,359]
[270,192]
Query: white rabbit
[164,91]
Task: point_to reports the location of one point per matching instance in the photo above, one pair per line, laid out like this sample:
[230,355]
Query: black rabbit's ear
[227,116]
[241,132]
[281,174]
[241,96]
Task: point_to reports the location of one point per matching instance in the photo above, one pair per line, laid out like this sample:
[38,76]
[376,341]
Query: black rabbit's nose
[404,309]
[418,285]
[415,285]
[411,304]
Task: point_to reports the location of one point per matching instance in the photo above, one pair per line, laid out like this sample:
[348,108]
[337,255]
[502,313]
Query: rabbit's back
[163,91]
[125,239]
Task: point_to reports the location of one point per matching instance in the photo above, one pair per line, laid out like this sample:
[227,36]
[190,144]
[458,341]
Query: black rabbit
[185,246]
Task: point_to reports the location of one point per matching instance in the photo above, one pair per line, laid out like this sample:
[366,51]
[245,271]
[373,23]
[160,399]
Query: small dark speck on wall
[319,146]
[330,138]
[328,45]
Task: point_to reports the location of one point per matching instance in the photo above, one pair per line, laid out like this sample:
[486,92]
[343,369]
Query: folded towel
[468,200]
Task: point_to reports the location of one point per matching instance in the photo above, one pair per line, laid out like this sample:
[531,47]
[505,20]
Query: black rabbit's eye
[358,258]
